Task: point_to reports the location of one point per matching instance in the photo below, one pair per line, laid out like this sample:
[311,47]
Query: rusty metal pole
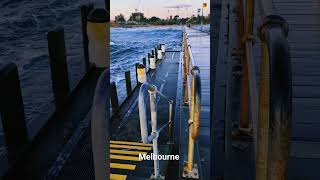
[191,140]
[244,98]
[276,115]
[263,124]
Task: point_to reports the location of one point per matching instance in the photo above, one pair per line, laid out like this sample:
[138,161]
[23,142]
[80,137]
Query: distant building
[137,17]
[120,19]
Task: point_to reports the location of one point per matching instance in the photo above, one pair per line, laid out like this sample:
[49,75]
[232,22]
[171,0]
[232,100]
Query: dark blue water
[130,45]
[23,28]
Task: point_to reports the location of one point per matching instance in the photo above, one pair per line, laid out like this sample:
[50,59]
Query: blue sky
[157,7]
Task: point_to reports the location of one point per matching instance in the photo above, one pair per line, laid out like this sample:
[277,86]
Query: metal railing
[192,97]
[152,90]
[270,111]
[100,129]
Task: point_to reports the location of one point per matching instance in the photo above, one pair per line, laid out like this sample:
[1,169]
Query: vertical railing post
[128,82]
[85,9]
[153,108]
[12,111]
[114,98]
[170,121]
[186,74]
[58,66]
[244,97]
[275,110]
[100,128]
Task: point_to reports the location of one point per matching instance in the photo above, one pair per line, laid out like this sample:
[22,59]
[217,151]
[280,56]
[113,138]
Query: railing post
[275,110]
[114,98]
[100,127]
[244,97]
[12,111]
[170,121]
[186,75]
[153,108]
[58,66]
[128,82]
[85,9]
[191,169]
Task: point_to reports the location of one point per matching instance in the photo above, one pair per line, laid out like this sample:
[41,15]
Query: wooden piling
[85,9]
[136,67]
[144,61]
[114,98]
[58,66]
[149,55]
[128,83]
[12,111]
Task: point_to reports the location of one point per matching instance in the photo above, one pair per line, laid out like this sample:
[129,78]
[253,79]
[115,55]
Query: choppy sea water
[130,45]
[23,28]
[23,41]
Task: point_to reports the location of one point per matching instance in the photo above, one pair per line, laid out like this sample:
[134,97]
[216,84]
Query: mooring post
[58,66]
[144,62]
[85,9]
[128,82]
[142,77]
[149,55]
[12,111]
[136,66]
[98,22]
[114,98]
[155,53]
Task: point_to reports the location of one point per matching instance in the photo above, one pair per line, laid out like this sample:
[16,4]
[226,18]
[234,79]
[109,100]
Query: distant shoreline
[116,25]
[112,25]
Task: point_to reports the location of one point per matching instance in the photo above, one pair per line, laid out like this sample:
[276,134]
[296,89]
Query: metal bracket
[194,174]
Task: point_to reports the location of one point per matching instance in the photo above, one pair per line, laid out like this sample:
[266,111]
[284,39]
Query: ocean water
[23,40]
[23,28]
[130,45]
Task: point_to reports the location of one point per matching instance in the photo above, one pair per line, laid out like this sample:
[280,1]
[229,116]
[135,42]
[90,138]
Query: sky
[157,7]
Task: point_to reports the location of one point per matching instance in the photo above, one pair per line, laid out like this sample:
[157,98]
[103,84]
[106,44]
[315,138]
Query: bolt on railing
[152,90]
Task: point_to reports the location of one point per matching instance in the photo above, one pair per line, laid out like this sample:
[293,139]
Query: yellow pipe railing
[270,112]
[192,97]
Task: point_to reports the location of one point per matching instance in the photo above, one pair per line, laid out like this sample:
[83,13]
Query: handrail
[152,89]
[100,129]
[192,97]
[273,34]
[271,112]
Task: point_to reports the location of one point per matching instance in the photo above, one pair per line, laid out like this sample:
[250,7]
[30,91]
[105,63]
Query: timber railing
[269,108]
